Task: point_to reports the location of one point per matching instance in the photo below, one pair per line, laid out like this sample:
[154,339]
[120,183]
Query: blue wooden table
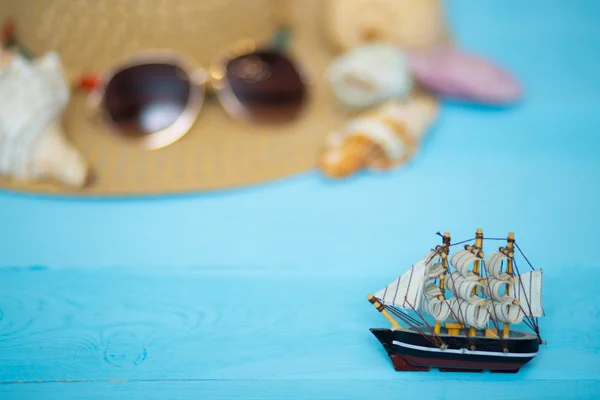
[261,292]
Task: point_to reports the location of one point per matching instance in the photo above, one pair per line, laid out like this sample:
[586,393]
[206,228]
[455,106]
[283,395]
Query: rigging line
[483,269]
[461,319]
[415,328]
[428,337]
[523,287]
[531,322]
[405,314]
[455,244]
[459,311]
[463,242]
[406,295]
[438,340]
[528,322]
[402,318]
[434,336]
[469,240]
[409,303]
[414,320]
[523,254]
[435,253]
[534,323]
[420,314]
[398,314]
[471,344]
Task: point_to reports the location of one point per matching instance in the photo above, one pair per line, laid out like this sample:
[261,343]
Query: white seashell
[370,74]
[55,158]
[6,58]
[34,95]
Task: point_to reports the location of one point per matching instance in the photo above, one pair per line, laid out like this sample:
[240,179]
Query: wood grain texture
[303,389]
[198,330]
[273,304]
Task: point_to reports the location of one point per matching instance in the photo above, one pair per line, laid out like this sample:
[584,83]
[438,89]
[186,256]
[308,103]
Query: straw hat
[219,151]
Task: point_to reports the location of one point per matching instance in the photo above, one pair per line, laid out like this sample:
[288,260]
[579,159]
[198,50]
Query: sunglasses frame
[203,81]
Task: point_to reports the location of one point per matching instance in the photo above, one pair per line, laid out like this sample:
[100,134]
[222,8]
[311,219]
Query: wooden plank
[103,325]
[314,389]
[277,307]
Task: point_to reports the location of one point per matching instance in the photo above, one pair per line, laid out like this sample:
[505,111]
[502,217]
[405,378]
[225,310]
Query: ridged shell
[379,139]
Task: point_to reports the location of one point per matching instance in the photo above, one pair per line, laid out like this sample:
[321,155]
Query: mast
[521,301]
[442,283]
[468,308]
[514,296]
[422,288]
[509,252]
[476,250]
[434,303]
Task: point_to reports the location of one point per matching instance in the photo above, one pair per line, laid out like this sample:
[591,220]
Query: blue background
[260,292]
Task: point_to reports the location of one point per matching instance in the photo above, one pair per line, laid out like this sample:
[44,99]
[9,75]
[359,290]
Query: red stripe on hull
[459,364]
[400,364]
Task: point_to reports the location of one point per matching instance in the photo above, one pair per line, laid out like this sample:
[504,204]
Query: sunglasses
[155,98]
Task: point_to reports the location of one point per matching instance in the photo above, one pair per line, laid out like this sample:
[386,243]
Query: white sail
[461,261]
[433,262]
[463,287]
[432,290]
[496,289]
[432,305]
[431,257]
[407,290]
[493,266]
[434,270]
[473,315]
[437,309]
[506,313]
[528,290]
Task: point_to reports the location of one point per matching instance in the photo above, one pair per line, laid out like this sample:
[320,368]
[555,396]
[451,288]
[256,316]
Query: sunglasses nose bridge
[199,77]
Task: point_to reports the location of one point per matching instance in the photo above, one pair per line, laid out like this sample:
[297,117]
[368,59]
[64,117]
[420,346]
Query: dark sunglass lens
[267,85]
[147,98]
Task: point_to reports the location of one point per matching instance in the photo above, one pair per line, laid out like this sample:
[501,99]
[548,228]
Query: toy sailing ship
[461,332]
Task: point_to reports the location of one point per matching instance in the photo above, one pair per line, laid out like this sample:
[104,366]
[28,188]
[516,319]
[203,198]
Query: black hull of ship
[410,350]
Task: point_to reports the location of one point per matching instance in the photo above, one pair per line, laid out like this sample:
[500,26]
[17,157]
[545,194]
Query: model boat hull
[411,350]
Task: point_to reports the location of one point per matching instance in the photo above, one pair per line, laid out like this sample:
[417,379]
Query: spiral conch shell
[369,75]
[380,139]
[34,95]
